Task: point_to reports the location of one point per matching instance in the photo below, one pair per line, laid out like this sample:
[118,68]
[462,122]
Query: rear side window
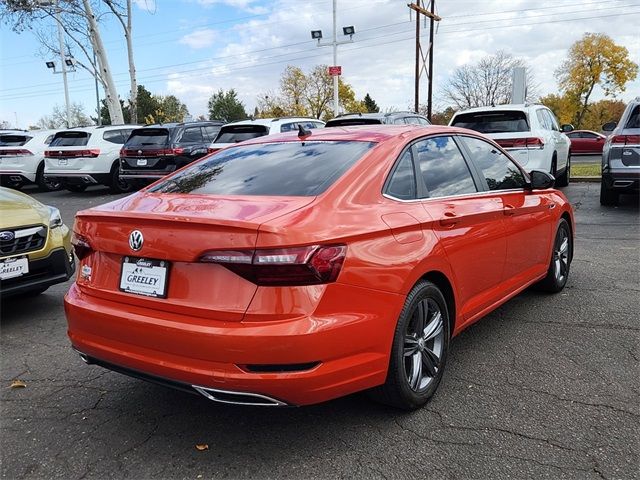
[493,122]
[115,136]
[292,127]
[14,140]
[240,133]
[148,136]
[498,169]
[280,169]
[70,139]
[402,183]
[399,121]
[443,168]
[634,118]
[211,131]
[192,135]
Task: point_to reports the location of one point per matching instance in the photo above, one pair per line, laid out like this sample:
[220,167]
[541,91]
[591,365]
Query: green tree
[370,104]
[562,107]
[293,84]
[169,109]
[594,60]
[226,106]
[146,104]
[442,117]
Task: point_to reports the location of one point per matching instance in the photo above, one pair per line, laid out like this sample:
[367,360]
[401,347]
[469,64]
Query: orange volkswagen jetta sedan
[294,269]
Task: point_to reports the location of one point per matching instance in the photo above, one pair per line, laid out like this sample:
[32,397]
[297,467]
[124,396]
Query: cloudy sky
[192,48]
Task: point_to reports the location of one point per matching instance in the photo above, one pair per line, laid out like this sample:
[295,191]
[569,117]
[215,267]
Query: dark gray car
[389,118]
[621,156]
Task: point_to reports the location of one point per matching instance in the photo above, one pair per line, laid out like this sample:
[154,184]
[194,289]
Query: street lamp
[317,35]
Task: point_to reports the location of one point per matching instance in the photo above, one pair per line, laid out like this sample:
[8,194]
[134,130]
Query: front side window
[551,120]
[542,119]
[211,131]
[402,183]
[498,169]
[281,169]
[443,168]
[634,118]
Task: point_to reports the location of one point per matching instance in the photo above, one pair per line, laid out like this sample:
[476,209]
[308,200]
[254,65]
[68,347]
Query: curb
[585,179]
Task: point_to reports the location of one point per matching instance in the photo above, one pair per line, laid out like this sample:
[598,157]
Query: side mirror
[609,126]
[541,180]
[567,127]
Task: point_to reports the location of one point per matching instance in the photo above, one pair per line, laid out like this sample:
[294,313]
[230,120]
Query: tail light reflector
[530,142]
[81,246]
[91,153]
[20,152]
[312,265]
[625,140]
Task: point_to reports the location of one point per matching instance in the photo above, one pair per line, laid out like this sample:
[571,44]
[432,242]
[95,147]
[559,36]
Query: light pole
[335,71]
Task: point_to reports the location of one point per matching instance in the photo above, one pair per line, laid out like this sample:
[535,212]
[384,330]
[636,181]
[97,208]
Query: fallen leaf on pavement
[202,446]
[18,384]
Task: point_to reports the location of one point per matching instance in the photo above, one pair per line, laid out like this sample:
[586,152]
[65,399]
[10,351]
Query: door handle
[509,210]
[450,219]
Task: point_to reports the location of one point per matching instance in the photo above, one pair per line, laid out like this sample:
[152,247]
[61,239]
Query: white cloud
[202,38]
[146,5]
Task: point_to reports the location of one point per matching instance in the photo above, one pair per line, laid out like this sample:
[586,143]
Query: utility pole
[424,64]
[335,71]
[95,77]
[63,61]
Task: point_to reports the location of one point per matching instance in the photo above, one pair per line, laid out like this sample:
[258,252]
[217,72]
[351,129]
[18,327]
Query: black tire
[405,386]
[560,264]
[608,197]
[44,184]
[117,184]
[563,180]
[554,165]
[75,188]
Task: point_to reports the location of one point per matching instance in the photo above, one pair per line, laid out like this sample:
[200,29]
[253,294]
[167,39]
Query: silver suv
[621,156]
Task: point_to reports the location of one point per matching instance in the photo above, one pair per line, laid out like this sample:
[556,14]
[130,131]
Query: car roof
[268,121]
[376,115]
[360,133]
[521,107]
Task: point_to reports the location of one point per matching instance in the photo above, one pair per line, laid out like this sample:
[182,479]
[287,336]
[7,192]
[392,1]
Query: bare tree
[487,82]
[81,29]
[58,117]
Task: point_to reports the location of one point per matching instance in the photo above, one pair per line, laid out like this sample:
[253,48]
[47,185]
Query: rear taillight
[90,153]
[312,265]
[151,152]
[20,152]
[625,140]
[81,246]
[531,142]
[211,150]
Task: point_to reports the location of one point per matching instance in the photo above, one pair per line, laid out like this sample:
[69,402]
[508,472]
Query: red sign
[335,71]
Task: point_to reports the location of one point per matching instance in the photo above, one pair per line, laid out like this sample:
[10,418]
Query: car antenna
[302,132]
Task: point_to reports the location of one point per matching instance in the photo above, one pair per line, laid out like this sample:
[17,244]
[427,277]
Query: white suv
[22,158]
[236,132]
[80,157]
[529,132]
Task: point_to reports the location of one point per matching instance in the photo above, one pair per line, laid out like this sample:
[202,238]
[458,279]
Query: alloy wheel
[423,345]
[561,255]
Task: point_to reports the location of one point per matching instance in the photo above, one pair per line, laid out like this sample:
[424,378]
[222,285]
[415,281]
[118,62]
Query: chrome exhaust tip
[84,357]
[238,398]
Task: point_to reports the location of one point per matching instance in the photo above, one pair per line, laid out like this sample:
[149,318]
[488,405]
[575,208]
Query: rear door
[527,215]
[469,223]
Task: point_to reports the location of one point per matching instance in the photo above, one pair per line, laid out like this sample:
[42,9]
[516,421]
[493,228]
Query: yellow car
[35,246]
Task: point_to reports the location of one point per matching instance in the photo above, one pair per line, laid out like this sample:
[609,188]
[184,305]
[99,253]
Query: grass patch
[585,170]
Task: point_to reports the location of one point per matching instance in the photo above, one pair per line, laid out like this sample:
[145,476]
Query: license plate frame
[63,162]
[20,267]
[146,270]
[142,162]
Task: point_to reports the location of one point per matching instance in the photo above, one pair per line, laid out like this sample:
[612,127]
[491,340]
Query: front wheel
[608,197]
[419,350]
[558,272]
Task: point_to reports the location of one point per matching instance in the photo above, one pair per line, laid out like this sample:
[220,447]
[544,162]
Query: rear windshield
[634,118]
[148,136]
[70,139]
[279,169]
[13,140]
[493,122]
[343,122]
[240,133]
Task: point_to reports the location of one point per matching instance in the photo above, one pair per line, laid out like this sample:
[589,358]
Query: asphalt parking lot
[547,386]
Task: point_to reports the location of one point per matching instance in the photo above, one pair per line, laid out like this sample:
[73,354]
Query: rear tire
[419,350]
[117,184]
[44,184]
[563,180]
[561,256]
[608,197]
[75,188]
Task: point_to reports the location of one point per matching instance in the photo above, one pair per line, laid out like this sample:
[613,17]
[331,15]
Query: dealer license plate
[13,267]
[141,162]
[144,276]
[63,161]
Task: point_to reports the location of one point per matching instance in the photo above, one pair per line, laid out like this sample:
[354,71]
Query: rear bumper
[18,175]
[338,353]
[80,178]
[57,267]
[622,180]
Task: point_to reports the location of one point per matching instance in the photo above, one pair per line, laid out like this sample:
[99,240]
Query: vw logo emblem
[139,152]
[6,236]
[136,240]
